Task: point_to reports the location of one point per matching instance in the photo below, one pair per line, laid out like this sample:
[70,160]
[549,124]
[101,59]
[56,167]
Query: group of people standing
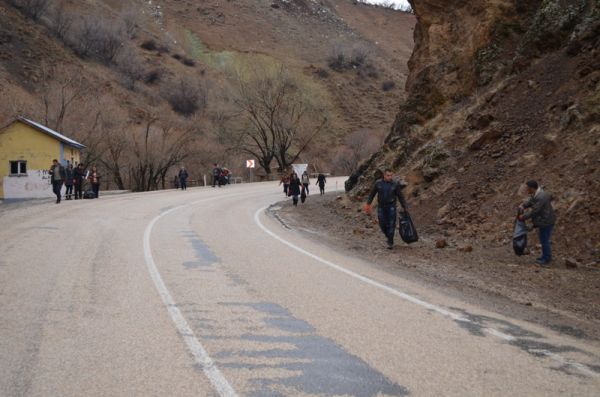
[299,187]
[73,178]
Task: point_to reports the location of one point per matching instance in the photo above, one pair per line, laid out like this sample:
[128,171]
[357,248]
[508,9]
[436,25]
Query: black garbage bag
[520,237]
[408,232]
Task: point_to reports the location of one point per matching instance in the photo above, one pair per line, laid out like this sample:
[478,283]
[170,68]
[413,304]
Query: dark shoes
[390,245]
[543,263]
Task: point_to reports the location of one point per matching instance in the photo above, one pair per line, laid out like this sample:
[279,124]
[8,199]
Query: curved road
[204,293]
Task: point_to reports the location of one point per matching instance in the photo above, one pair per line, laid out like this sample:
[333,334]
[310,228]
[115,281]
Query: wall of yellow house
[21,142]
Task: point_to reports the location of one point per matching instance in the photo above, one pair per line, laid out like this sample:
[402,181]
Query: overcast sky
[398,2]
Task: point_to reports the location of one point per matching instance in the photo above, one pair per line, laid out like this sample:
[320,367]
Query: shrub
[130,19]
[337,62]
[186,96]
[131,67]
[149,45]
[61,21]
[188,62]
[342,59]
[388,85]
[99,38]
[322,73]
[152,76]
[34,9]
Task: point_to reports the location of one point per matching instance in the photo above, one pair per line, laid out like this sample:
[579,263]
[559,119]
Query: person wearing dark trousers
[57,177]
[321,181]
[388,192]
[216,174]
[295,188]
[305,181]
[285,180]
[78,177]
[69,182]
[95,181]
[541,212]
[183,176]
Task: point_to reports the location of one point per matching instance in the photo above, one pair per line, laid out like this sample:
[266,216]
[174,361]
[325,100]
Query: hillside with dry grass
[171,74]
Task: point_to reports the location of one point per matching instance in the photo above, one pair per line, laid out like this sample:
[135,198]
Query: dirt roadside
[566,300]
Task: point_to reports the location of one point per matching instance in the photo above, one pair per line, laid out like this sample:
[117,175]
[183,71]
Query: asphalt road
[204,293]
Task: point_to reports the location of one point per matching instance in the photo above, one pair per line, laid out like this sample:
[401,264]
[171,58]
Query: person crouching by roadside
[388,192]
[57,177]
[69,182]
[94,179]
[78,177]
[294,190]
[539,209]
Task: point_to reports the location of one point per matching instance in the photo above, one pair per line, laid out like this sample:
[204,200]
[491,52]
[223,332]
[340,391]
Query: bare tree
[357,147]
[278,118]
[59,96]
[159,146]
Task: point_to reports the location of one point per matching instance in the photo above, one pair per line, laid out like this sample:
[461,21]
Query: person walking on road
[216,174]
[294,190]
[78,177]
[69,182]
[57,177]
[95,181]
[305,181]
[183,176]
[388,192]
[541,212]
[321,181]
[285,180]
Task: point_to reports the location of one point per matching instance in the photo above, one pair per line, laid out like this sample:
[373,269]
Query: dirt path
[567,300]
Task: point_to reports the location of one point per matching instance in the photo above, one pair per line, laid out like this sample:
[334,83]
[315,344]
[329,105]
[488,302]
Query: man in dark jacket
[57,173]
[183,176]
[543,217]
[216,174]
[388,192]
[78,177]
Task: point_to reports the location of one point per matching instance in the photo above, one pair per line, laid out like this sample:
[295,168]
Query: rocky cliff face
[499,92]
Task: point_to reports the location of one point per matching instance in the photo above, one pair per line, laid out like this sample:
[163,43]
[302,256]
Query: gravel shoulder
[566,300]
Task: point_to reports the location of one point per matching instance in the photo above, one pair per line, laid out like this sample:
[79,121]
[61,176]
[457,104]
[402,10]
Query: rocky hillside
[131,54]
[500,92]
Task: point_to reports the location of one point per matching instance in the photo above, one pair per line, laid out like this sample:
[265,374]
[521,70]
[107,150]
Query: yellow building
[27,149]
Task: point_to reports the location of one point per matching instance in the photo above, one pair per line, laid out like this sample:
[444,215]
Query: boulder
[441,243]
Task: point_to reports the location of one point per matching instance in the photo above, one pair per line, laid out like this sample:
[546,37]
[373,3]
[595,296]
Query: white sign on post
[250,164]
[299,168]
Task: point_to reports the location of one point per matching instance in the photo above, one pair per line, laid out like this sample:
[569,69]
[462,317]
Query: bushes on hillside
[34,9]
[186,96]
[357,58]
[99,38]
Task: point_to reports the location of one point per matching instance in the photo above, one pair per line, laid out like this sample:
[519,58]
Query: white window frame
[19,167]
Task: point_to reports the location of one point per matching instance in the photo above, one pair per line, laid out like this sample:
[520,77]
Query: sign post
[251,164]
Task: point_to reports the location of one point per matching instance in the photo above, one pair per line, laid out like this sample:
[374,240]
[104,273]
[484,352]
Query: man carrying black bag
[388,192]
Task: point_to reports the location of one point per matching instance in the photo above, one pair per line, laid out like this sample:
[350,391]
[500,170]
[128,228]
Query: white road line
[454,316]
[198,351]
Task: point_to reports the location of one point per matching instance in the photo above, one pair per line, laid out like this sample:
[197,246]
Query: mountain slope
[203,40]
[500,92]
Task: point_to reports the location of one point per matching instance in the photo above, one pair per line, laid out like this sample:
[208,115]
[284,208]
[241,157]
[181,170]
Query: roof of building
[52,133]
